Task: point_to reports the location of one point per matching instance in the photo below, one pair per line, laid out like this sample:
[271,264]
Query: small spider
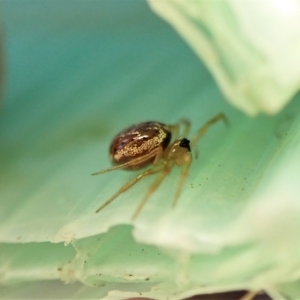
[150,143]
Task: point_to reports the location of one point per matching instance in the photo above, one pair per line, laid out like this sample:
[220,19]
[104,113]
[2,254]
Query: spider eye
[185,143]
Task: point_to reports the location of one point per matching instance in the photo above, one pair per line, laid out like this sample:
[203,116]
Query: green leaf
[255,65]
[75,81]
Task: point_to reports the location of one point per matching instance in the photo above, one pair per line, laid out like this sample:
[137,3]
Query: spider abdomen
[138,141]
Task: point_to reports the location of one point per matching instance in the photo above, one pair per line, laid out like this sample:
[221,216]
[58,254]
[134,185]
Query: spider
[151,143]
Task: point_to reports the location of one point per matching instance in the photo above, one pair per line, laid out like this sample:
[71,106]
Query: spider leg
[152,189]
[187,127]
[157,153]
[175,128]
[183,176]
[131,183]
[198,135]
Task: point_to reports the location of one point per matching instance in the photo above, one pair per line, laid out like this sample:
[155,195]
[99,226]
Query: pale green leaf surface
[255,63]
[236,223]
[32,261]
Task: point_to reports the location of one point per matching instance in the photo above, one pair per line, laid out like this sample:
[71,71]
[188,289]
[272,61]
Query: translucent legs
[176,128]
[199,134]
[152,189]
[156,153]
[183,176]
[165,170]
[129,184]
